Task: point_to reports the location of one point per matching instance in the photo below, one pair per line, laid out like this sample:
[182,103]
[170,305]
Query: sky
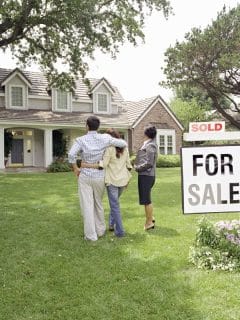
[137,71]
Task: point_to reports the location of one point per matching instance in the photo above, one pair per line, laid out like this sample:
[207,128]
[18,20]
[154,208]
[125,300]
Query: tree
[188,111]
[209,60]
[49,31]
[201,97]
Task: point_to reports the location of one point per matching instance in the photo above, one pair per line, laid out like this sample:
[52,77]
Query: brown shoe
[149,226]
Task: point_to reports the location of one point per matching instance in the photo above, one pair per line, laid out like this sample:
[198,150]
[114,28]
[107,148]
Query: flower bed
[217,245]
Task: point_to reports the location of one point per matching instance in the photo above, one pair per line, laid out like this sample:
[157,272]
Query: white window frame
[166,133]
[108,103]
[23,96]
[55,101]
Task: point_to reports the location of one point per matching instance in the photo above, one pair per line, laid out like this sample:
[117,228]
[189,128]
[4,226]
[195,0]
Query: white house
[31,111]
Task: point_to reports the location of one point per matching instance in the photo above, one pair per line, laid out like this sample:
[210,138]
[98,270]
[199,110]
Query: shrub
[217,246]
[164,161]
[168,161]
[132,159]
[59,166]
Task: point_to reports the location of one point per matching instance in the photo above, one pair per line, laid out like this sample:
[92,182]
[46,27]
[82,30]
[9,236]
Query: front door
[17,151]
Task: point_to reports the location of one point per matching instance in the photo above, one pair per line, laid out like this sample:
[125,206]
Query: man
[91,186]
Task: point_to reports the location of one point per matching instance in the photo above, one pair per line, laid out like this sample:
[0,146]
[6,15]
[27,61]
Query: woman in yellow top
[117,165]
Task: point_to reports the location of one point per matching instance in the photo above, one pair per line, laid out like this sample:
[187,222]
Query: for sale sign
[211,179]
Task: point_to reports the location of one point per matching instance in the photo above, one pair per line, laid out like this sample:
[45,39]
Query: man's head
[93,123]
[150,132]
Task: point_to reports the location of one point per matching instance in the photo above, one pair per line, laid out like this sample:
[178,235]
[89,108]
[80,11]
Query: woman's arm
[149,162]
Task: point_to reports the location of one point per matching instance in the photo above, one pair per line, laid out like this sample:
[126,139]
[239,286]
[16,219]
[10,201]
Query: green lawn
[47,270]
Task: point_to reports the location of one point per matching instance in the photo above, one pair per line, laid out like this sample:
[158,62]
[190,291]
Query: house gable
[16,90]
[163,104]
[155,112]
[101,82]
[19,74]
[102,99]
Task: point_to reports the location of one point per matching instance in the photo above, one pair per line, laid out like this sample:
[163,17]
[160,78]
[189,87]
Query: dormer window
[17,96]
[102,103]
[62,100]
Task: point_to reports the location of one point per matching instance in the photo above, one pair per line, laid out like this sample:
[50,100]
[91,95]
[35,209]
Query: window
[161,144]
[17,96]
[169,144]
[62,101]
[102,103]
[166,141]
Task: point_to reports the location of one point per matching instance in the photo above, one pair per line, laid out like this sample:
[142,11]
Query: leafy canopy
[209,60]
[188,111]
[51,31]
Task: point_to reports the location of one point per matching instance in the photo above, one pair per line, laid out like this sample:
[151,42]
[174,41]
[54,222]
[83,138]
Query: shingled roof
[40,84]
[136,110]
[66,119]
[129,112]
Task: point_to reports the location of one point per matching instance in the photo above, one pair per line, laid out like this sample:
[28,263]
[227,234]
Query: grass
[47,270]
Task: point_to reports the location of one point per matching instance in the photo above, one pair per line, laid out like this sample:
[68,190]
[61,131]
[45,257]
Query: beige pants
[90,195]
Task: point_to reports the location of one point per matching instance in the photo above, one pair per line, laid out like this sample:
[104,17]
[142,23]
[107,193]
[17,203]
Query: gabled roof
[39,85]
[12,74]
[99,83]
[137,110]
[130,113]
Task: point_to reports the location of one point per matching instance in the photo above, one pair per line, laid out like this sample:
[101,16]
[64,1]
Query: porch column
[2,164]
[48,152]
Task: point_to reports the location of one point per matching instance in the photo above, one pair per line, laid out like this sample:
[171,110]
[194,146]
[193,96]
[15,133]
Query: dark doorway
[17,151]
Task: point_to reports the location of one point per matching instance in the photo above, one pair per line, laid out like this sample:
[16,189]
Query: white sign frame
[210,179]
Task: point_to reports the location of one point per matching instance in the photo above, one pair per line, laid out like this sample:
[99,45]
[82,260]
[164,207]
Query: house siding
[82,107]
[2,102]
[39,148]
[159,116]
[39,104]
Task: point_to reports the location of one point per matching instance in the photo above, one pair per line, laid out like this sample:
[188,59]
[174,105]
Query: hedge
[59,166]
[164,161]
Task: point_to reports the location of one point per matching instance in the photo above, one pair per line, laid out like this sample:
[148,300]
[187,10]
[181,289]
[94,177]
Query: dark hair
[150,132]
[115,134]
[93,123]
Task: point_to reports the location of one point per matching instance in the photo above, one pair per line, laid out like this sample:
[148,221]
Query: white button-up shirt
[91,147]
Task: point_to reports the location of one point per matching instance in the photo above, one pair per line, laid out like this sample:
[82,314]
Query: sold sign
[199,127]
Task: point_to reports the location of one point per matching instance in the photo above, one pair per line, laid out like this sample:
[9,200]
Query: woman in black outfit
[145,165]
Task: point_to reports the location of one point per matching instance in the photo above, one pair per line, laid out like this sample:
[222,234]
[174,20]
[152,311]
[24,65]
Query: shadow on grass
[163,232]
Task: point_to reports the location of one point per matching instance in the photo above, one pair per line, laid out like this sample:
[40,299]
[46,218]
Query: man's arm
[117,142]
[72,154]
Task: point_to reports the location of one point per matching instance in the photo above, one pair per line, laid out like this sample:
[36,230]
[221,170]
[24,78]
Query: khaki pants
[90,195]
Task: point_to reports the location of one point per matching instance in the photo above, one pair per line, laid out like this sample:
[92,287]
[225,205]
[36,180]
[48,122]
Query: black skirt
[145,184]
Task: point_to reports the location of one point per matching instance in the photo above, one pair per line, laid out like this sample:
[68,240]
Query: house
[31,111]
